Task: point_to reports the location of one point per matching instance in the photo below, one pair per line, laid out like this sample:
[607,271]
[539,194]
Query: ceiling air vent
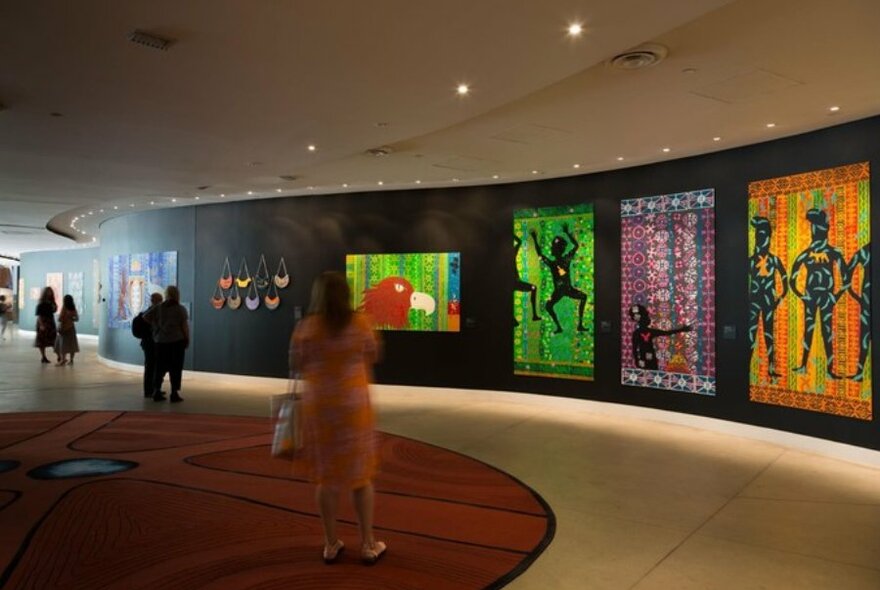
[379,152]
[289,177]
[149,40]
[642,56]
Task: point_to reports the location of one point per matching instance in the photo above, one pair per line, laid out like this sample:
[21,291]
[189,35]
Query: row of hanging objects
[260,281]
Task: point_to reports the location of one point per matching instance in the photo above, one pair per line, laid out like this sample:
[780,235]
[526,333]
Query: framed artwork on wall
[553,294]
[413,292]
[810,291]
[75,289]
[132,278]
[56,281]
[667,287]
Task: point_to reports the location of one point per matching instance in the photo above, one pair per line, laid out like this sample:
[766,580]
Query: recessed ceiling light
[100,211]
[91,212]
[250,192]
[454,180]
[277,190]
[132,205]
[418,182]
[152,202]
[344,185]
[576,166]
[666,150]
[716,138]
[380,183]
[94,238]
[173,200]
[312,147]
[771,125]
[463,89]
[575,29]
[834,109]
[197,198]
[222,195]
[115,207]
[620,158]
[495,176]
[534,171]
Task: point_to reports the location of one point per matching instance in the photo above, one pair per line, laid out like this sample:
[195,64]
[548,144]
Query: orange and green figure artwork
[412,292]
[553,293]
[810,291]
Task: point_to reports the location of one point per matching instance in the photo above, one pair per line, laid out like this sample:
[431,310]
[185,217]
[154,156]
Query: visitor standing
[4,316]
[334,349]
[171,333]
[144,330]
[46,329]
[66,343]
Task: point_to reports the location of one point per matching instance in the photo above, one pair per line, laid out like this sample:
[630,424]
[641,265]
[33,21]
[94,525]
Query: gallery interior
[618,256]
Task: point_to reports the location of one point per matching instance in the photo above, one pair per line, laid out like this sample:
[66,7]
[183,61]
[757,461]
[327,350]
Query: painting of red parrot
[407,291]
[389,302]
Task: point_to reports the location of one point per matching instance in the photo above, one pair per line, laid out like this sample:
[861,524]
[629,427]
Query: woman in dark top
[169,321]
[46,330]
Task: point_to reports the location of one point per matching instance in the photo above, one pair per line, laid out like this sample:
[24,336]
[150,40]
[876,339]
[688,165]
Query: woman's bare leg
[328,502]
[363,505]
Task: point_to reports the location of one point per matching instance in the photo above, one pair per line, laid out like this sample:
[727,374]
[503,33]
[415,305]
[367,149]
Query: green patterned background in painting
[538,350]
[436,274]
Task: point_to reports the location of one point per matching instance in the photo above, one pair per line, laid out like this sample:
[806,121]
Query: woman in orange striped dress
[334,349]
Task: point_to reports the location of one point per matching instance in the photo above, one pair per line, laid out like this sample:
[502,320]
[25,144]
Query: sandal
[332,553]
[370,555]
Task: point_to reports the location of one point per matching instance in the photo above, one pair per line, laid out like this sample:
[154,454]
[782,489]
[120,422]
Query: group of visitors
[164,339]
[60,336]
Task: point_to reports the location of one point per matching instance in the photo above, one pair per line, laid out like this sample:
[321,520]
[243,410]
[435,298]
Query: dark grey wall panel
[314,233]
[35,265]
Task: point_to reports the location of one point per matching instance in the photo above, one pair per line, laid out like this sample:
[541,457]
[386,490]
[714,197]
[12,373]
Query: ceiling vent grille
[643,56]
[150,40]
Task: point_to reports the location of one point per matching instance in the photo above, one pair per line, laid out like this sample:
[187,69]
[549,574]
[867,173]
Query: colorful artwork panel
[810,291]
[75,289]
[21,292]
[56,281]
[132,278]
[668,292]
[553,294]
[412,292]
[96,290]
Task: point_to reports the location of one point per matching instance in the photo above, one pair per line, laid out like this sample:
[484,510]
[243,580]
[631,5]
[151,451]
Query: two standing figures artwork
[668,292]
[810,291]
[553,292]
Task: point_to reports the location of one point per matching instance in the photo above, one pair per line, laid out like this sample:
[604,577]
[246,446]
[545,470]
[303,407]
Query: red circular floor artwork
[148,500]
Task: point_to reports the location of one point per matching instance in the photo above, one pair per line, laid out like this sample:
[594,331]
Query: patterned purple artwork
[668,292]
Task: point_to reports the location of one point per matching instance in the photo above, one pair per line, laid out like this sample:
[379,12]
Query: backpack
[140,328]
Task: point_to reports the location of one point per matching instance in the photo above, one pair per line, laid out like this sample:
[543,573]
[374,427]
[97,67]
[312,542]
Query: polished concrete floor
[639,504]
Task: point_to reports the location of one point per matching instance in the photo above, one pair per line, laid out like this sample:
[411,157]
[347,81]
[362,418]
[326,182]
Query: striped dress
[339,447]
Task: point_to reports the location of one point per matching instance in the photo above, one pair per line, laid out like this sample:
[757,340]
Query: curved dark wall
[151,231]
[315,233]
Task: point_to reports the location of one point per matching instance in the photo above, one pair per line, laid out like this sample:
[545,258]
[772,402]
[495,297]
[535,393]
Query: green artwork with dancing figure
[553,293]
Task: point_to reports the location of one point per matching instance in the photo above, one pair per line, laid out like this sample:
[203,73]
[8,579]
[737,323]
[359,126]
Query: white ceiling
[247,86]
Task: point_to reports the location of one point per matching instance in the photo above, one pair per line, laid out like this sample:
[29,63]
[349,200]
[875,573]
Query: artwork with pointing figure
[132,278]
[668,292]
[553,292]
[412,292]
[810,291]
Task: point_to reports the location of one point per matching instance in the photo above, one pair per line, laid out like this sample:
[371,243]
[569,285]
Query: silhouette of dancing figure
[560,269]
[862,257]
[819,295]
[643,336]
[523,286]
[763,268]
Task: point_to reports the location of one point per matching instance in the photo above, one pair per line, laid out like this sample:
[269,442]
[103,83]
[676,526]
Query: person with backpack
[142,329]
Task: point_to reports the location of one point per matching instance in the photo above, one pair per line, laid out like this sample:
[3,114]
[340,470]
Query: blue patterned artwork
[132,278]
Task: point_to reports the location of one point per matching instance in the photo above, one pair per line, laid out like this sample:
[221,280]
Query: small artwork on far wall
[413,292]
[56,281]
